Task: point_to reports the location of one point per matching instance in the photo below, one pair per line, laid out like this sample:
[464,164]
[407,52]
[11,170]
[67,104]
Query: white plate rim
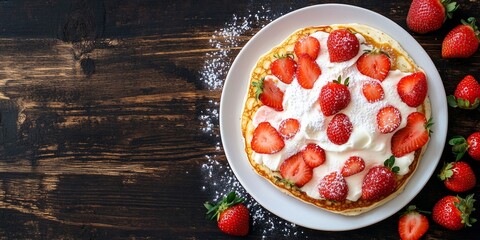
[235,90]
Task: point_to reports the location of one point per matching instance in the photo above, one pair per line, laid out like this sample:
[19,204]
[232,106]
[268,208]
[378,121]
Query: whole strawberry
[334,96]
[471,145]
[380,181]
[232,216]
[454,212]
[429,15]
[413,224]
[458,176]
[462,41]
[466,95]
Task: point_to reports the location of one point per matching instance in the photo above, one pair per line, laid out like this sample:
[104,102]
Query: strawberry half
[380,181]
[289,127]
[339,129]
[471,145]
[461,41]
[413,136]
[232,216]
[266,139]
[307,71]
[334,96]
[269,93]
[466,95]
[413,89]
[284,68]
[313,155]
[429,15]
[373,91]
[388,119]
[295,171]
[458,176]
[454,212]
[412,224]
[307,45]
[333,187]
[353,165]
[342,45]
[375,64]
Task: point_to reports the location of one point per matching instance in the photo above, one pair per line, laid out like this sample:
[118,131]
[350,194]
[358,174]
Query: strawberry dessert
[337,116]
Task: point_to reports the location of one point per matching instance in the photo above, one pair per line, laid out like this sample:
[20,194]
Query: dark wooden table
[109,117]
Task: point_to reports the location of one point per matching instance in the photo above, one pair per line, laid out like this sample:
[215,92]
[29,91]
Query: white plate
[235,90]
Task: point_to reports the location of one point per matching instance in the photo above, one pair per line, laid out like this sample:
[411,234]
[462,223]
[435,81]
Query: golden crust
[400,60]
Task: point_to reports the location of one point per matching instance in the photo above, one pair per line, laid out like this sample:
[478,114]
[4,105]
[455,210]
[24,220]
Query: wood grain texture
[101,108]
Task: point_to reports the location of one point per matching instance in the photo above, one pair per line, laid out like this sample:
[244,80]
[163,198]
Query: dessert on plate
[337,116]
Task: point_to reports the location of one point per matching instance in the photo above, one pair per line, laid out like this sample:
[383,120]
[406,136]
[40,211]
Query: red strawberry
[470,145]
[466,95]
[373,91]
[334,96]
[266,139]
[308,45]
[375,64]
[269,93]
[289,127]
[232,216]
[412,224]
[429,15]
[295,171]
[313,155]
[462,41]
[284,68]
[353,165]
[333,187]
[388,119]
[339,129]
[413,89]
[413,136]
[380,181]
[458,176]
[307,71]
[454,212]
[342,45]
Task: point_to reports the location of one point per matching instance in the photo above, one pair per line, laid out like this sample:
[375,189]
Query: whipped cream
[365,141]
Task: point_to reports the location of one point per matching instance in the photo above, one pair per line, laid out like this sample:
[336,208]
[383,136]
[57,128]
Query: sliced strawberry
[388,119]
[374,64]
[284,68]
[412,224]
[269,93]
[413,89]
[342,45]
[294,170]
[313,155]
[334,96]
[266,139]
[353,165]
[413,136]
[307,71]
[333,187]
[339,129]
[308,45]
[289,127]
[373,91]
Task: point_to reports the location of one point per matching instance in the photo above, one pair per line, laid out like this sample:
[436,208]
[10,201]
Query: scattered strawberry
[284,68]
[232,216]
[375,64]
[266,139]
[307,71]
[413,89]
[373,91]
[353,165]
[380,181]
[471,145]
[458,176]
[295,171]
[289,127]
[334,96]
[461,41]
[388,119]
[466,95]
[342,45]
[313,155]
[333,187]
[454,212]
[412,224]
[429,15]
[269,93]
[339,129]
[413,136]
[308,45]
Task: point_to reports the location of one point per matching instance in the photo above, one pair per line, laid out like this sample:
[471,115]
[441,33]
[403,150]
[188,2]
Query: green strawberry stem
[465,206]
[450,7]
[459,146]
[390,164]
[413,208]
[214,210]
[462,103]
[258,87]
[446,172]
